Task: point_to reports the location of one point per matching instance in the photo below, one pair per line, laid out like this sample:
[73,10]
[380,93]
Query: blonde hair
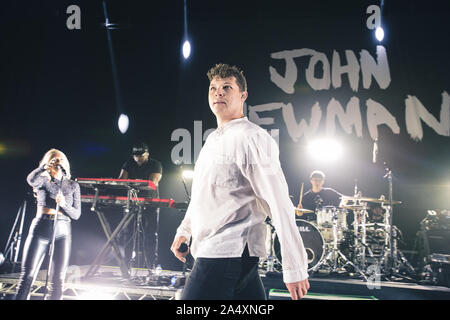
[49,155]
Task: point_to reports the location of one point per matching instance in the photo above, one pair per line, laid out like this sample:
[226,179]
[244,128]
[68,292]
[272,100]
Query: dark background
[57,90]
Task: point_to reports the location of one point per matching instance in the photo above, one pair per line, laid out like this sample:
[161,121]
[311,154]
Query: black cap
[139,149]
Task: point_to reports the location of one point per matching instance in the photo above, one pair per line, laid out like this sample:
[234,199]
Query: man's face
[141,159]
[225,98]
[317,183]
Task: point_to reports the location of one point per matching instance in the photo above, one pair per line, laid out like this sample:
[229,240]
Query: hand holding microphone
[51,164]
[180,248]
[55,164]
[183,247]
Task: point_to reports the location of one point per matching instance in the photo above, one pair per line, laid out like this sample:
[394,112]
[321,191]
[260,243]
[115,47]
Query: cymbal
[302,211]
[384,201]
[375,200]
[354,207]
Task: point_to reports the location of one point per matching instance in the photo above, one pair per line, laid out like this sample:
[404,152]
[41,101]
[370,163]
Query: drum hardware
[367,243]
[393,259]
[359,208]
[363,238]
[334,253]
[360,232]
[271,260]
[354,207]
[380,200]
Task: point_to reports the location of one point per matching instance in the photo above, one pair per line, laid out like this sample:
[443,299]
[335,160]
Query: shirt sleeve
[185,227]
[126,166]
[157,167]
[74,211]
[263,170]
[35,178]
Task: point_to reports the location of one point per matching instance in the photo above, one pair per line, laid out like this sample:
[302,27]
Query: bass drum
[312,240]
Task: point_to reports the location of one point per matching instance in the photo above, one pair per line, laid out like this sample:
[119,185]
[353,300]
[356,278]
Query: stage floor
[108,283]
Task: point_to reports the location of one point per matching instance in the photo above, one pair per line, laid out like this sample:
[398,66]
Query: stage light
[123,123]
[325,150]
[379,33]
[188,174]
[2,258]
[95,294]
[186,49]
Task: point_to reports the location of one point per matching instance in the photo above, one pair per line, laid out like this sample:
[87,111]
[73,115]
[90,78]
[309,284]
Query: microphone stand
[52,243]
[12,247]
[390,261]
[156,253]
[391,253]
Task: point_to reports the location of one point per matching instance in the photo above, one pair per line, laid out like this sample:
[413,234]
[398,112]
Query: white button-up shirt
[237,183]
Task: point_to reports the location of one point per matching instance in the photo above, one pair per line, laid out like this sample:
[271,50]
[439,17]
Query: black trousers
[225,279]
[35,249]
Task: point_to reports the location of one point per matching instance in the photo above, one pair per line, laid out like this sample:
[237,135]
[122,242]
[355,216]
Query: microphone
[183,247]
[374,152]
[60,167]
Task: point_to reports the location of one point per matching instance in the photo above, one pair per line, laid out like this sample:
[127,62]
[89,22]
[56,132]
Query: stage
[108,284]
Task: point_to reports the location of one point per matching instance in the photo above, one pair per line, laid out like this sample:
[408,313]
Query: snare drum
[312,241]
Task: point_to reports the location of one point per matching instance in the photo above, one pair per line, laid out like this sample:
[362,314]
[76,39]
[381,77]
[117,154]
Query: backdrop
[314,70]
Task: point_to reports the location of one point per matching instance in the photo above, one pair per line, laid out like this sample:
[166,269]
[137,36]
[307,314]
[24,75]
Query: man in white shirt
[237,183]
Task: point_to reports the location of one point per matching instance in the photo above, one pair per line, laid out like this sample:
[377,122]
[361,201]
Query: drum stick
[301,195]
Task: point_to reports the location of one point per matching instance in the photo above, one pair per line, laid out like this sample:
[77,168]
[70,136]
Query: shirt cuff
[187,235]
[290,276]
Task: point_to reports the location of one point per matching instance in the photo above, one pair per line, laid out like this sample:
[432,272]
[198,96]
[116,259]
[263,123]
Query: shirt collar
[229,124]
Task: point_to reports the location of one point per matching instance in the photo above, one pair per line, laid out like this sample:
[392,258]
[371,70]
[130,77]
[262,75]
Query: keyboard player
[141,166]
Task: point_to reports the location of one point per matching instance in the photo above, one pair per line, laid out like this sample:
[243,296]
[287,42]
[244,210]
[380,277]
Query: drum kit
[334,245]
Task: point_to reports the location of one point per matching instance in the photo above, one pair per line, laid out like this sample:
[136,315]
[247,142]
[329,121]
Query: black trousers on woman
[35,249]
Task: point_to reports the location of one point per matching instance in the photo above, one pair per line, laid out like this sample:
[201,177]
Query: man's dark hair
[317,174]
[223,70]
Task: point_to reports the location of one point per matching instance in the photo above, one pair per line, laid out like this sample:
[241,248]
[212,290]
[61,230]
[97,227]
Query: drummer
[318,197]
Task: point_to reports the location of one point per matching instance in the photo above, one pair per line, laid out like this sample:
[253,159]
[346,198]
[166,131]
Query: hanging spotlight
[123,123]
[186,49]
[379,33]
